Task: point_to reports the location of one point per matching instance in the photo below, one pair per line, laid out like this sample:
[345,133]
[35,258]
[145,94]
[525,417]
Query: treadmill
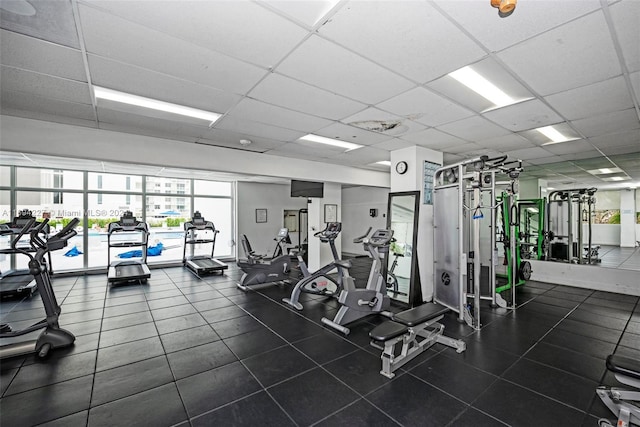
[20,282]
[201,264]
[134,234]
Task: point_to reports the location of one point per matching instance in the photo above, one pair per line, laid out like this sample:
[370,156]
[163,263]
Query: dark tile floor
[182,350]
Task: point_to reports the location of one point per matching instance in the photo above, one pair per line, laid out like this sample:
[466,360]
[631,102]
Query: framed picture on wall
[261,215]
[330,213]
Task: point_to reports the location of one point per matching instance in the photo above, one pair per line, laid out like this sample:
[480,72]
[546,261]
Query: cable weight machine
[467,199]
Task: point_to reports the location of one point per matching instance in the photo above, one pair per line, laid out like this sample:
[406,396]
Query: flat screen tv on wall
[307,189]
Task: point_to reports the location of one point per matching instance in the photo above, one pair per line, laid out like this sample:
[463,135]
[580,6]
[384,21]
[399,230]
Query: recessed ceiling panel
[608,123]
[289,93]
[474,128]
[46,86]
[620,149]
[573,55]
[335,69]
[539,138]
[433,139]
[393,144]
[51,20]
[150,125]
[529,153]
[569,147]
[139,81]
[258,129]
[512,141]
[529,19]
[48,117]
[617,139]
[233,137]
[413,48]
[463,149]
[240,29]
[635,83]
[494,73]
[424,106]
[34,103]
[304,11]
[362,156]
[524,115]
[626,16]
[351,134]
[250,109]
[592,100]
[43,57]
[120,40]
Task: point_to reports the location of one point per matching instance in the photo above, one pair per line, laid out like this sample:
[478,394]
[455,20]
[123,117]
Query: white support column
[628,236]
[413,180]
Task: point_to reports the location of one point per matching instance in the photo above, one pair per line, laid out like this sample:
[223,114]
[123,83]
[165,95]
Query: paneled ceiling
[370,72]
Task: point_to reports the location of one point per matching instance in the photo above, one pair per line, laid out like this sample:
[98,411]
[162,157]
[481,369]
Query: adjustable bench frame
[416,330]
[627,371]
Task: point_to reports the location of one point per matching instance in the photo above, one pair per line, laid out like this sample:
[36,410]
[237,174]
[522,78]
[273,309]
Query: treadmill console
[381,237]
[283,233]
[330,232]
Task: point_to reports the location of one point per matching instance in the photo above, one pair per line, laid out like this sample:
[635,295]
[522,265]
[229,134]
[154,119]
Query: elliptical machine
[358,303]
[53,336]
[320,282]
[260,272]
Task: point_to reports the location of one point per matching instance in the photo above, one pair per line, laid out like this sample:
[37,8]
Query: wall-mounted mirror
[403,280]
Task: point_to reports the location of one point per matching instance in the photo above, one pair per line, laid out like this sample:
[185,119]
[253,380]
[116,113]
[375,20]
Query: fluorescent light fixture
[154,104]
[553,134]
[330,141]
[616,178]
[604,171]
[384,163]
[483,87]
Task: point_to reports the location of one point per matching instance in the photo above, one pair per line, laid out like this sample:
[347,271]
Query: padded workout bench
[417,329]
[620,401]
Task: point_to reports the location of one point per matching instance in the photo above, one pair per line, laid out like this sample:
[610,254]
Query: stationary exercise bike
[392,279]
[621,401]
[260,271]
[52,335]
[320,282]
[357,303]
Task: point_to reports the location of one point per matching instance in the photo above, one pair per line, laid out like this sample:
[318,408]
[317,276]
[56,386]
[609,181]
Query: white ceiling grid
[369,72]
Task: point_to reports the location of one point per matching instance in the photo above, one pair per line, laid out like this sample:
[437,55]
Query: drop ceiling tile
[626,15]
[617,139]
[286,152]
[588,101]
[569,147]
[573,55]
[409,46]
[607,123]
[307,12]
[31,54]
[544,160]
[153,50]
[138,130]
[474,128]
[524,115]
[382,122]
[512,141]
[235,28]
[620,149]
[306,151]
[249,109]
[231,139]
[51,21]
[469,149]
[252,128]
[434,139]
[529,19]
[135,112]
[48,117]
[139,81]
[351,134]
[529,153]
[34,103]
[289,93]
[362,156]
[449,159]
[150,125]
[635,83]
[43,85]
[424,106]
[330,67]
[393,144]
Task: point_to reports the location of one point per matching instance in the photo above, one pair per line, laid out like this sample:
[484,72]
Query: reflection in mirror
[402,218]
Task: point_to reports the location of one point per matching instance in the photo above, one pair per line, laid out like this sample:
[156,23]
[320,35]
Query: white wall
[273,197]
[356,202]
[628,218]
[603,234]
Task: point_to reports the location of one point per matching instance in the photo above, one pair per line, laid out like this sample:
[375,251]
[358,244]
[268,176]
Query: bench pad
[420,314]
[624,365]
[387,331]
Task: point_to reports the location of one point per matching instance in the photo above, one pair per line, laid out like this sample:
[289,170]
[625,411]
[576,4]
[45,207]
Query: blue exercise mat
[152,251]
[73,252]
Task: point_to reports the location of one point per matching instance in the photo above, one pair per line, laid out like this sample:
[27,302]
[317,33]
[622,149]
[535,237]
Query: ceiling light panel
[604,171]
[317,139]
[482,86]
[552,134]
